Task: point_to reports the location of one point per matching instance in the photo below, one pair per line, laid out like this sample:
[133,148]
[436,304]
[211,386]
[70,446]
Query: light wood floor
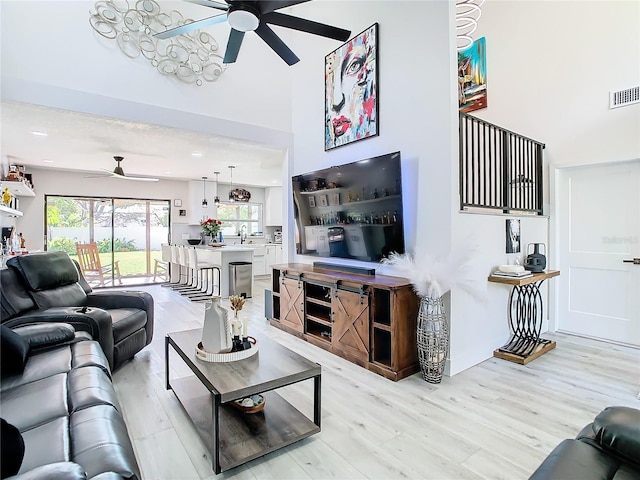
[497,420]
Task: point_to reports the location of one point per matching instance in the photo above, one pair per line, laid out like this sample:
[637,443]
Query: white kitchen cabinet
[195,211]
[273,256]
[259,263]
[273,206]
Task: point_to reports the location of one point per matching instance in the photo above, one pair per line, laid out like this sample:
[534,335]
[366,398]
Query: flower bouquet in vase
[210,228]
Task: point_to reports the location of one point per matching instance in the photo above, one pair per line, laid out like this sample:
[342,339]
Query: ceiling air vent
[628,96]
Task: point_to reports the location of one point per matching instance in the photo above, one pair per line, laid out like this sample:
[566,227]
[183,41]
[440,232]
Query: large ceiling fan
[119,173]
[248,16]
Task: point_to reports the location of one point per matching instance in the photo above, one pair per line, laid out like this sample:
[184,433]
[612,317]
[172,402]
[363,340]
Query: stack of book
[522,274]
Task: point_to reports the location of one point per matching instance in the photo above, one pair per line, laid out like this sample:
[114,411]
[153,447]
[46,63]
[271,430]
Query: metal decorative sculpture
[190,57]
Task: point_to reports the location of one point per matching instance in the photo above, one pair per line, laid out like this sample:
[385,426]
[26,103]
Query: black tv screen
[350,211]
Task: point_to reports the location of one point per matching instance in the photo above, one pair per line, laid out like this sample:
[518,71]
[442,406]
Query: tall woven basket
[433,338]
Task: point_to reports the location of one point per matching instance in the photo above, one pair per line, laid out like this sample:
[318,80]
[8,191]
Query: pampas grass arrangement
[434,276]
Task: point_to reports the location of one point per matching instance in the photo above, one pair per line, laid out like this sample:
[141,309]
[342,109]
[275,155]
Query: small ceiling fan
[248,16]
[119,173]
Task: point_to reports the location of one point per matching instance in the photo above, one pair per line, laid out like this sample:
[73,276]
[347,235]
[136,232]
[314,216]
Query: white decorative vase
[433,338]
[216,332]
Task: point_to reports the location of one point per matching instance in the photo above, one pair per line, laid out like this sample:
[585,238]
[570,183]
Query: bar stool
[201,267]
[177,261]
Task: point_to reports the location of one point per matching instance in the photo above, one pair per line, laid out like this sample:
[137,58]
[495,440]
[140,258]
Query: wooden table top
[536,277]
[271,367]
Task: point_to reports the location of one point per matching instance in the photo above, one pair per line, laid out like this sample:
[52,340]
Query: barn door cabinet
[368,320]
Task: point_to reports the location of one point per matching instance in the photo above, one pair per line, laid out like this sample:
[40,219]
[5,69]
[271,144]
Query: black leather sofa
[61,418]
[607,449]
[49,287]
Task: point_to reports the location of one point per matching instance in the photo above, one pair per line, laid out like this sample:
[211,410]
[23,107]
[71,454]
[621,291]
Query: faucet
[243,234]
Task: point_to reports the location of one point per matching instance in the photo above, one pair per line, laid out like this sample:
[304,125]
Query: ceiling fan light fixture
[243,18]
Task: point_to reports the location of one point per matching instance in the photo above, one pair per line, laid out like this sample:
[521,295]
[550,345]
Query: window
[235,216]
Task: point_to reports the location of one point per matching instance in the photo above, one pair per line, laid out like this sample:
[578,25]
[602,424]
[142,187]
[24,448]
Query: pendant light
[204,192]
[216,200]
[231,198]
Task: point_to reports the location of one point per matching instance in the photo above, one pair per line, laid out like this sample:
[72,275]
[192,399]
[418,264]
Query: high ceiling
[80,142]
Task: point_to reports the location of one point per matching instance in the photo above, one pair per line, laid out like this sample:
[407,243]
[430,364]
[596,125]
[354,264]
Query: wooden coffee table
[231,436]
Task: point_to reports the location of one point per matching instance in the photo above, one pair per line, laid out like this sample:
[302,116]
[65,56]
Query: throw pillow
[13,352]
[11,449]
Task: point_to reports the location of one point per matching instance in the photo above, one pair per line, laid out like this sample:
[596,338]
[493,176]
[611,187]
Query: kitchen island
[223,256]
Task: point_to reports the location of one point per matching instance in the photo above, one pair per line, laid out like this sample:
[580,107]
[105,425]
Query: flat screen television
[350,211]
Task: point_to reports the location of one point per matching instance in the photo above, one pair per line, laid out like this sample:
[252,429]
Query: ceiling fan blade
[207,3]
[97,176]
[190,27]
[267,6]
[308,26]
[141,179]
[233,46]
[278,46]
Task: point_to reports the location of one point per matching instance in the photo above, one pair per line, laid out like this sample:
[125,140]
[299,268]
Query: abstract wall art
[351,90]
[472,77]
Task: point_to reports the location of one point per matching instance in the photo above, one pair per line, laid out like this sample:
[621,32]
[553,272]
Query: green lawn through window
[130,263]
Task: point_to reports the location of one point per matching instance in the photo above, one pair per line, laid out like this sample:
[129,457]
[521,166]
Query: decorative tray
[252,404]
[217,245]
[205,356]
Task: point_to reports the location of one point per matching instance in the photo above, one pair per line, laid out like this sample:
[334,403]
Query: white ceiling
[81,142]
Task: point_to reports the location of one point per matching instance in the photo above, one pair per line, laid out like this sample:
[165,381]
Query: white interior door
[599,228]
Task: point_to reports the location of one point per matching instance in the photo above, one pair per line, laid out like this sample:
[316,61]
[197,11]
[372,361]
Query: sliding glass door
[116,241]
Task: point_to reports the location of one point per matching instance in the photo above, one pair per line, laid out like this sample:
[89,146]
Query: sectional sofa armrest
[95,321]
[53,471]
[125,299]
[41,336]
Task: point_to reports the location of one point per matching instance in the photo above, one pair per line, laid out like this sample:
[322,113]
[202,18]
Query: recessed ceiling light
[274,181]
[168,172]
[46,160]
[39,134]
[196,154]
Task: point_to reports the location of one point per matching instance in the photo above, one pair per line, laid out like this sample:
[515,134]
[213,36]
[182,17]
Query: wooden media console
[368,320]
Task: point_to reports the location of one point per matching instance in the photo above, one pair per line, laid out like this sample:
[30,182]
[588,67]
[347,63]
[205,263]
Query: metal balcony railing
[499,169]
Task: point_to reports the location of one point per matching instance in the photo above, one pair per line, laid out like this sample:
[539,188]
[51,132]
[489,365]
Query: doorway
[599,232]
[125,233]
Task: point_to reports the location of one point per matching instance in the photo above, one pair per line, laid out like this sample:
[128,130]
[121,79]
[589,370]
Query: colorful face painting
[351,90]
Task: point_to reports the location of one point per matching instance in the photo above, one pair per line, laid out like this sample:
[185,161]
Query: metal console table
[525,318]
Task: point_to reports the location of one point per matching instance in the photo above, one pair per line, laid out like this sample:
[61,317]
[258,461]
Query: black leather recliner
[607,449]
[49,287]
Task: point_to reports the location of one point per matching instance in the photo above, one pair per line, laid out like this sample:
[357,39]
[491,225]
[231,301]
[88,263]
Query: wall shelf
[9,212]
[19,189]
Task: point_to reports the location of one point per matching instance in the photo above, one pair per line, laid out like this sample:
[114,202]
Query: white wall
[415,108]
[550,67]
[69,54]
[51,56]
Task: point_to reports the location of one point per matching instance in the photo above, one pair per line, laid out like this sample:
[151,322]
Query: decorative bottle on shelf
[220,236]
